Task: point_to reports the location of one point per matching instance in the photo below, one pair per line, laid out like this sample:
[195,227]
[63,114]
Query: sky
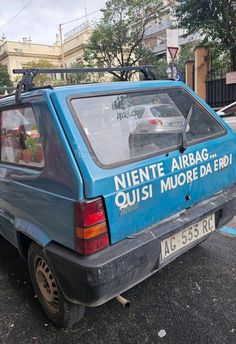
[40,20]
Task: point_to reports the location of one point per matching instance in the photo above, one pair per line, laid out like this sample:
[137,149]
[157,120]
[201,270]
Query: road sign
[173,52]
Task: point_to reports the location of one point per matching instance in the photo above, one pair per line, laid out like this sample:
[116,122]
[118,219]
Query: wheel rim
[47,284]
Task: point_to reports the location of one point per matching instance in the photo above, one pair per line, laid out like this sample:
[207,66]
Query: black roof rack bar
[143,69]
[26,83]
[7,88]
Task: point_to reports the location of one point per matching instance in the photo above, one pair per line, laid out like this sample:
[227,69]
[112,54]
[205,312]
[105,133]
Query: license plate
[187,236]
[176,124]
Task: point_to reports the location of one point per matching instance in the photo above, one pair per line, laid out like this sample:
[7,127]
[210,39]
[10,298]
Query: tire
[61,312]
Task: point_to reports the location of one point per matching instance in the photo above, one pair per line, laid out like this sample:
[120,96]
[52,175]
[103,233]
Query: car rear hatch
[144,178]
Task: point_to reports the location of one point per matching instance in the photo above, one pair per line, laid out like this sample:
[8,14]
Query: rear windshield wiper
[184,144]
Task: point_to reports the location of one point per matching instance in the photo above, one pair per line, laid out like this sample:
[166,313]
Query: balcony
[156,28]
[161,47]
[190,38]
[78,29]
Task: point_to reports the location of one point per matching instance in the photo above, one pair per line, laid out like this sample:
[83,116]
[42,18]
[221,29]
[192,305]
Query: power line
[23,8]
[88,14]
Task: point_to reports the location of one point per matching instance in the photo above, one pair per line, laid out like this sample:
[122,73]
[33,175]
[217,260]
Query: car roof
[89,90]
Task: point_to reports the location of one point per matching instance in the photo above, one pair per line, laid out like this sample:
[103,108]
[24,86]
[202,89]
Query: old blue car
[94,205]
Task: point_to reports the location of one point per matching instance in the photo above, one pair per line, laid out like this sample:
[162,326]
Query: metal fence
[218,93]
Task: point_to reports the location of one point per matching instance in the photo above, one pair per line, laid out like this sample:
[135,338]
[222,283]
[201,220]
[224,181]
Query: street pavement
[191,301]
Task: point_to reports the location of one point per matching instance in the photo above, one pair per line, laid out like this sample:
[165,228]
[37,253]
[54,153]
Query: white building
[165,33]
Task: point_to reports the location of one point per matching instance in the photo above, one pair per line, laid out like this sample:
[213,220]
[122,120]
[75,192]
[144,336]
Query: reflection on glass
[133,125]
[20,139]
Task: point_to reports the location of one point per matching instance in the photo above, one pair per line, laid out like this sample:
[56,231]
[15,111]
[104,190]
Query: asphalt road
[193,300]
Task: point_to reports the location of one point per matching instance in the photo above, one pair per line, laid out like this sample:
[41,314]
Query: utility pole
[62,47]
[71,21]
[85,10]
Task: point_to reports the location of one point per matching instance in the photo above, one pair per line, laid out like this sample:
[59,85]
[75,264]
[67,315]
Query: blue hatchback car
[96,206]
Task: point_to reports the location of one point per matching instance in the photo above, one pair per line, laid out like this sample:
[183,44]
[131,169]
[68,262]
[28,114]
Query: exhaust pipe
[124,302]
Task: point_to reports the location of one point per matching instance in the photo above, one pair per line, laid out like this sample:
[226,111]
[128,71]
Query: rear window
[131,126]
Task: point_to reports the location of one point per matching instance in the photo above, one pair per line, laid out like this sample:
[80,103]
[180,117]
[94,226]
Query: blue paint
[228,230]
[43,201]
[99,181]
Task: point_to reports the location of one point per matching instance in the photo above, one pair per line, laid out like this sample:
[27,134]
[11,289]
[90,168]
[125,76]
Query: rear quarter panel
[40,203]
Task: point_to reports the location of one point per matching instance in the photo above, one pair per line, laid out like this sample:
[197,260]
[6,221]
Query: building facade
[74,42]
[163,32]
[19,54]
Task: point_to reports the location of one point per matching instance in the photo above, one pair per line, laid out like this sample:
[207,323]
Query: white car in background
[228,113]
[157,118]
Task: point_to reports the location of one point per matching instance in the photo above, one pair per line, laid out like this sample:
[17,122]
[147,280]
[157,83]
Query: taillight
[91,227]
[155,122]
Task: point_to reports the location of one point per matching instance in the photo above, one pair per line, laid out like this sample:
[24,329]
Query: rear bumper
[93,280]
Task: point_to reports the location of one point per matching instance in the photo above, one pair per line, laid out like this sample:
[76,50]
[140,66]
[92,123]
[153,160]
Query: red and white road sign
[173,52]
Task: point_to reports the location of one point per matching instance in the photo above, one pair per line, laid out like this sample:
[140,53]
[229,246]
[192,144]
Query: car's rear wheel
[61,312]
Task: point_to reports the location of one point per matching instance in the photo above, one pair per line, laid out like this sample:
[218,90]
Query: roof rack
[26,83]
[7,88]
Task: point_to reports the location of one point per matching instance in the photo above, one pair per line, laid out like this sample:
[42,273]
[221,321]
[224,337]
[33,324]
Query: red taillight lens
[89,213]
[87,247]
[155,122]
[91,227]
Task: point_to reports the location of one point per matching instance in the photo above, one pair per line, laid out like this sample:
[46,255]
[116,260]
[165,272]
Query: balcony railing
[160,47]
[155,28]
[190,38]
[77,29]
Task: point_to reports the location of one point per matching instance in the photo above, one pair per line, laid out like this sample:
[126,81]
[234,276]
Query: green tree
[117,40]
[80,78]
[4,78]
[43,79]
[216,19]
[220,60]
[186,54]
